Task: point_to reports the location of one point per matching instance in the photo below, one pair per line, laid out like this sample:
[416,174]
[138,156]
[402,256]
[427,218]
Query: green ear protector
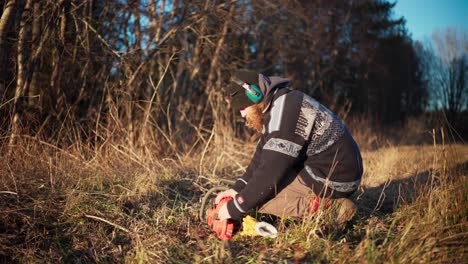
[251,90]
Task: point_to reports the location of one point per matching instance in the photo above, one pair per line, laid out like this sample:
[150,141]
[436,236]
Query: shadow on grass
[387,197]
[377,204]
[173,194]
[31,228]
[37,225]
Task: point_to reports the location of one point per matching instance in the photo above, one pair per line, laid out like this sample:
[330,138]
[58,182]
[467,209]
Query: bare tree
[447,68]
[111,64]
[5,22]
[7,14]
[33,89]
[21,70]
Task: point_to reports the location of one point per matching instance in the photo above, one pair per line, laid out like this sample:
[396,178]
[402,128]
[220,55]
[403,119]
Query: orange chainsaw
[224,229]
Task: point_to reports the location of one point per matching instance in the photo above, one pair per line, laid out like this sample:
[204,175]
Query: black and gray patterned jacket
[301,137]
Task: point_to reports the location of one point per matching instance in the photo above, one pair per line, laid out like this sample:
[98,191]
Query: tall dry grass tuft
[437,229]
[109,195]
[427,211]
[99,198]
[413,131]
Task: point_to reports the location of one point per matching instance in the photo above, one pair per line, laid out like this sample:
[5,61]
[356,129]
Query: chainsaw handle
[206,197]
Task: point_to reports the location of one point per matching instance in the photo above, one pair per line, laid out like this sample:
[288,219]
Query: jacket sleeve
[243,181]
[280,152]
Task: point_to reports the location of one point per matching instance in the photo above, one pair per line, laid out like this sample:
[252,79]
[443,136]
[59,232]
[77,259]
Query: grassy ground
[117,204]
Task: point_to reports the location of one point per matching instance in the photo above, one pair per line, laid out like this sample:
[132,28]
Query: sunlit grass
[118,205]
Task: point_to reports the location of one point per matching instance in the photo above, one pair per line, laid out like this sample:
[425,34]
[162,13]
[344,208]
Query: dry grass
[115,203]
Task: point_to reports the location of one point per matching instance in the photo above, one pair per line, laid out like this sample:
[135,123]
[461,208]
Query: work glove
[223,213]
[227,193]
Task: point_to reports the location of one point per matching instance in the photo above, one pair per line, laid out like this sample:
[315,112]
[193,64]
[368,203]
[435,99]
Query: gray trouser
[293,200]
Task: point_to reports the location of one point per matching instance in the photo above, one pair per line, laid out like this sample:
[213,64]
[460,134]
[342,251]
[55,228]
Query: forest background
[95,94]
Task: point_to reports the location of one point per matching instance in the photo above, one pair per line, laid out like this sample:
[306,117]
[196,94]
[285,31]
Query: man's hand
[227,193]
[223,213]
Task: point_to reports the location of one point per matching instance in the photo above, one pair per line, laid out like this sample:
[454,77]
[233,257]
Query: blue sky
[424,16]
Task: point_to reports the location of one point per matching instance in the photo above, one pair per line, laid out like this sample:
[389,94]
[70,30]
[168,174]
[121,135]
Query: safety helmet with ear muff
[252,91]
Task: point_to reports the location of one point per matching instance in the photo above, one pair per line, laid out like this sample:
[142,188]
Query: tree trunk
[7,15]
[33,89]
[5,19]
[136,13]
[21,73]
[214,62]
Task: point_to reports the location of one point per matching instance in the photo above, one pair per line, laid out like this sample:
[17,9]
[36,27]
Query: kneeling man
[305,153]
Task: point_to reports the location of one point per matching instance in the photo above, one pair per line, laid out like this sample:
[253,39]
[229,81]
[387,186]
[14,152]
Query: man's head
[243,90]
[248,92]
[245,96]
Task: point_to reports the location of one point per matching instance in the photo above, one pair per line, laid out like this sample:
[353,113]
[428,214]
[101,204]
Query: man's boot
[345,209]
[338,212]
